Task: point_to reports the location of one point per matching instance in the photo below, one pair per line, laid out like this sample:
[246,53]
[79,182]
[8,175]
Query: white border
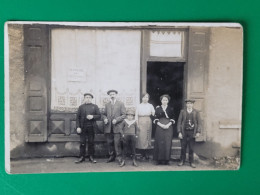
[132,24]
[7,100]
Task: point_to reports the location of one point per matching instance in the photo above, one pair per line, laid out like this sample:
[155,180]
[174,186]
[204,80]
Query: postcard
[122,96]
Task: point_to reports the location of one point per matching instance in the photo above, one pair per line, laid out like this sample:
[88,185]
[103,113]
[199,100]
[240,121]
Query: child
[189,127]
[129,135]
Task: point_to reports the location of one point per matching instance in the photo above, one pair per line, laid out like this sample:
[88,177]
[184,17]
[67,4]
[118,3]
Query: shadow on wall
[62,149]
[212,149]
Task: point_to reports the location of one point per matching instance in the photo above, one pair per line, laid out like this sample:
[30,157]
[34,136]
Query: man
[115,113]
[87,115]
[188,127]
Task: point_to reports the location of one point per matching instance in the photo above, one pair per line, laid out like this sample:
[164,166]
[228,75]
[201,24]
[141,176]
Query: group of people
[133,129]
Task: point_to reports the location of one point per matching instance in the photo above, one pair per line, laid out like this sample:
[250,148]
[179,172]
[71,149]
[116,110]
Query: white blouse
[144,109]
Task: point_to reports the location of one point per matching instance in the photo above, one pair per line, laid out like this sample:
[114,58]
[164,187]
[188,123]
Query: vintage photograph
[122,96]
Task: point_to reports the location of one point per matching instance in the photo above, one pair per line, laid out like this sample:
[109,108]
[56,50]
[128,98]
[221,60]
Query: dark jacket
[182,120]
[159,113]
[132,129]
[83,111]
[116,111]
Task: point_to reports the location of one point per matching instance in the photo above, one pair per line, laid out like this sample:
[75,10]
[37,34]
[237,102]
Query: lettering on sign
[76,75]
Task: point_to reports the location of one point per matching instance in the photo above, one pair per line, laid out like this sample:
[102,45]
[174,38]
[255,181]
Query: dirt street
[66,165]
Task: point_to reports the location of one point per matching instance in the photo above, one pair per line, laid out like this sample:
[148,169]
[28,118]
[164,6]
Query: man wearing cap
[115,113]
[87,115]
[188,127]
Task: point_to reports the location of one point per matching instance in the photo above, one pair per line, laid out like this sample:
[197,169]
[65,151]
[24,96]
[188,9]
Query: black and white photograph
[122,96]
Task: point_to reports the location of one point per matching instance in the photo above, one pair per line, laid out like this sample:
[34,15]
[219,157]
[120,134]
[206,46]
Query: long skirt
[144,137]
[163,141]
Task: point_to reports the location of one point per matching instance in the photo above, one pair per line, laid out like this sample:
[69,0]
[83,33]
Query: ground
[66,164]
[227,162]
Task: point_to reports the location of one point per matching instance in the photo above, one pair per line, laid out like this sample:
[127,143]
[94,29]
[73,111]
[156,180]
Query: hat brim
[130,114]
[192,101]
[108,92]
[89,94]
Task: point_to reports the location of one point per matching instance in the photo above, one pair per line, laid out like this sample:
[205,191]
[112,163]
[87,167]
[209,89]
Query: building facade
[51,66]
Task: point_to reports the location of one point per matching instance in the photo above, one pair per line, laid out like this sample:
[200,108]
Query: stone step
[175,152]
[175,142]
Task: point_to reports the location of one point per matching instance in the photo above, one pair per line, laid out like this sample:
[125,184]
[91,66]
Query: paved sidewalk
[67,165]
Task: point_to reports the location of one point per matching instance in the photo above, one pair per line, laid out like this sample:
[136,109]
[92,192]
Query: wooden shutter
[36,80]
[198,71]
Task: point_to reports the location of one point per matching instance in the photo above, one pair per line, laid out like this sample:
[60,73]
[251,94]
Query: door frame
[145,57]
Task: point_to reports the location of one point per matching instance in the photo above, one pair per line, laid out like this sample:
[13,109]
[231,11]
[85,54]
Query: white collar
[189,110]
[164,107]
[113,102]
[129,122]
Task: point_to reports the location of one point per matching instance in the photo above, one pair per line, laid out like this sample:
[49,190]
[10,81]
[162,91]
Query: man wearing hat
[87,115]
[115,113]
[188,127]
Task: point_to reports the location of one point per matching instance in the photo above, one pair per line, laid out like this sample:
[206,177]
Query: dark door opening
[166,78]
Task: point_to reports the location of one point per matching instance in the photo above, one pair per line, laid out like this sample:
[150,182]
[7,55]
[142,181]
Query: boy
[188,127]
[129,135]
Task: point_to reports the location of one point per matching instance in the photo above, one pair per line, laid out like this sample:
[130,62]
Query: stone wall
[16,86]
[224,93]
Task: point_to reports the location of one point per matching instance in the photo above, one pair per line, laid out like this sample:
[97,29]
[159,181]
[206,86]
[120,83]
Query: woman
[164,119]
[144,111]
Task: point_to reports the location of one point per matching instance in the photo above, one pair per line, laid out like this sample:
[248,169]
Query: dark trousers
[87,133]
[187,141]
[114,144]
[129,141]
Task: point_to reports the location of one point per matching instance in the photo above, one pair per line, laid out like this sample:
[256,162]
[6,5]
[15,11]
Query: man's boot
[181,163]
[134,163]
[122,163]
[111,159]
[192,165]
[92,160]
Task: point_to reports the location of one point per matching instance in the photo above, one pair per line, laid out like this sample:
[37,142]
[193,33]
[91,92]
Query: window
[166,43]
[94,61]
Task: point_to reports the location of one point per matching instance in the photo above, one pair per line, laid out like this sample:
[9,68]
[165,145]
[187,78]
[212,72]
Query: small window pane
[166,43]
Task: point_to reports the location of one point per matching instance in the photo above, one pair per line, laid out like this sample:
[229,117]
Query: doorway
[166,78]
